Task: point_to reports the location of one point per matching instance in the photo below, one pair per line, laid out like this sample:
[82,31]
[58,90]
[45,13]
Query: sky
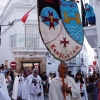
[90,51]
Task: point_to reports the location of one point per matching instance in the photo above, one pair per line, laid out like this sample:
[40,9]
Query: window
[31,29]
[82,61]
[32,37]
[82,55]
[79,55]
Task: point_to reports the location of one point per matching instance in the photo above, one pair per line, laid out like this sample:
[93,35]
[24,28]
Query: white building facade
[92,33]
[22,43]
[78,63]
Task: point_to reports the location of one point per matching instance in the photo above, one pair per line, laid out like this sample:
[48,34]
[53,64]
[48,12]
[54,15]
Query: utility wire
[17,20]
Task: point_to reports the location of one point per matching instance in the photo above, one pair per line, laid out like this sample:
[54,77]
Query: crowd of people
[28,84]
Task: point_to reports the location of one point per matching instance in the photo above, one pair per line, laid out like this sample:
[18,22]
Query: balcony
[91,35]
[26,43]
[76,62]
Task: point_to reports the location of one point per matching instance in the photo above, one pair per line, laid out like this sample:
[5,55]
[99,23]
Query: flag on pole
[24,18]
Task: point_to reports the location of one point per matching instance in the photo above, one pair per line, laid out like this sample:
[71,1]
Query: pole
[62,71]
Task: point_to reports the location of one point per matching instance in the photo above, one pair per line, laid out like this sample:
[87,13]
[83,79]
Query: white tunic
[55,91]
[3,80]
[20,86]
[83,89]
[34,90]
[17,88]
[29,91]
[24,89]
[3,93]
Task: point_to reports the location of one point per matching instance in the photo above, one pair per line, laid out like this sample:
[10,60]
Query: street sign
[13,64]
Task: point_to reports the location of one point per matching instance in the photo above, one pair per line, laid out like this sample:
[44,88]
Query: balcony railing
[26,41]
[72,61]
[80,61]
[30,2]
[76,61]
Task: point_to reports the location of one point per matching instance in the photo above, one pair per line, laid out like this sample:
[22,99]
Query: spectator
[40,74]
[8,82]
[96,78]
[89,87]
[6,69]
[90,16]
[3,69]
[45,82]
[12,74]
[99,90]
[54,75]
[81,86]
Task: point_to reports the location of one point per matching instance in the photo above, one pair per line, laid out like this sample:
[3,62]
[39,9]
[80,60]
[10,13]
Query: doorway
[30,65]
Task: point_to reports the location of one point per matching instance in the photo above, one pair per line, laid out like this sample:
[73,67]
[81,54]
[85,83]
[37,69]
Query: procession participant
[3,87]
[34,86]
[17,88]
[24,86]
[2,78]
[56,88]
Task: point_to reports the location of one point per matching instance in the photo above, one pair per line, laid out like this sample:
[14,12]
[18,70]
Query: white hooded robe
[28,95]
[3,93]
[55,90]
[17,88]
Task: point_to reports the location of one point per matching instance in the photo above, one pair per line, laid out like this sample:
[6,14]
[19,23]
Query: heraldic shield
[60,28]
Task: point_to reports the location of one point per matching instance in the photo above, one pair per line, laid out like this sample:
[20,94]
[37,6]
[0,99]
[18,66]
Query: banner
[60,28]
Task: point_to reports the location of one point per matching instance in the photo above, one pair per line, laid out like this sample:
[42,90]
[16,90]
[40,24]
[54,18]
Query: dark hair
[44,72]
[7,73]
[76,79]
[91,79]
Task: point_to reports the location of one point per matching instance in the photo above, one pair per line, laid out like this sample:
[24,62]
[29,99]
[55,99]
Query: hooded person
[69,88]
[17,87]
[34,87]
[3,87]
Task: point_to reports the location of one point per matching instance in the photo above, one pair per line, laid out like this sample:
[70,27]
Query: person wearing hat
[3,87]
[34,88]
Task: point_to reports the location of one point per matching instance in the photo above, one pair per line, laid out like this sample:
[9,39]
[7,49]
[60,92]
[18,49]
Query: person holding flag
[70,88]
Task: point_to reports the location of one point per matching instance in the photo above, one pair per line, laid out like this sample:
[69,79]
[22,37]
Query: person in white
[34,86]
[17,87]
[57,88]
[24,87]
[81,86]
[8,82]
[3,87]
